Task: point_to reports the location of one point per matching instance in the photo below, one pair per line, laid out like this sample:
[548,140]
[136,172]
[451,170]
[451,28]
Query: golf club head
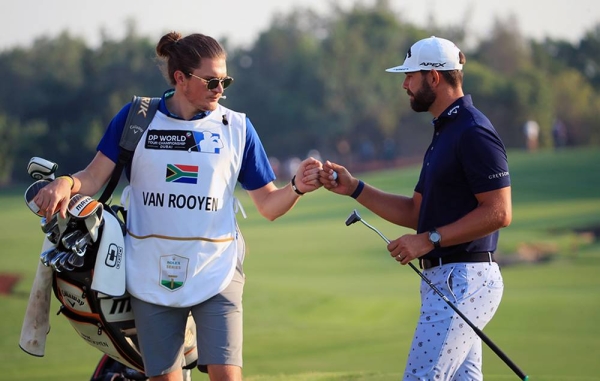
[77,260]
[64,264]
[47,256]
[352,218]
[54,262]
[69,239]
[81,244]
[355,217]
[48,226]
[54,235]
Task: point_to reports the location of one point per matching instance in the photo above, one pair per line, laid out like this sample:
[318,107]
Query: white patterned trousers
[444,347]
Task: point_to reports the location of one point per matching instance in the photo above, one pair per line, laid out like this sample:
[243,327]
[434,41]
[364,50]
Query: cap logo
[409,53]
[433,64]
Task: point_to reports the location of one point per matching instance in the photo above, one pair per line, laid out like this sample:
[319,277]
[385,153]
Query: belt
[457,258]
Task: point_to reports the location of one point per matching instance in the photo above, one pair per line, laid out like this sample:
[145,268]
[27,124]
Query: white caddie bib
[182,240]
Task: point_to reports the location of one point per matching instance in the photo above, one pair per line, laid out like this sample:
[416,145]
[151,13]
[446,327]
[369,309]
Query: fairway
[325,302]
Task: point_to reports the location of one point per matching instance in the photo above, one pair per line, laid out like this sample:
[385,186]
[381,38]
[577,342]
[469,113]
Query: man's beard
[423,99]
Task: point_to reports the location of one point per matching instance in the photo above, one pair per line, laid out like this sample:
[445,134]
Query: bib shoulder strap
[140,115]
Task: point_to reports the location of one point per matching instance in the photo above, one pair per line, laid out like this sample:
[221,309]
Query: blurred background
[324,302]
[309,74]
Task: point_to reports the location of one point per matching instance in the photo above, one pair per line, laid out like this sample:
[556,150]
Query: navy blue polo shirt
[466,157]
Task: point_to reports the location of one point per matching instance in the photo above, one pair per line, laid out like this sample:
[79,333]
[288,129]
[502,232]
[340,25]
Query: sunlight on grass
[324,301]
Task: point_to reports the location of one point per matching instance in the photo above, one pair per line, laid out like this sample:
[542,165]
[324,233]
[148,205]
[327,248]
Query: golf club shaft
[478,331]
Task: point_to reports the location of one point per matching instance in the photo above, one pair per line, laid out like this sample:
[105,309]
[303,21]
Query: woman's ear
[178,76]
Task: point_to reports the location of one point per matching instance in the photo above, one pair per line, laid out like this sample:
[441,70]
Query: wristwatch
[435,237]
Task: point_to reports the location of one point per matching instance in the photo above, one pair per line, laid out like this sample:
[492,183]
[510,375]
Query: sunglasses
[213,83]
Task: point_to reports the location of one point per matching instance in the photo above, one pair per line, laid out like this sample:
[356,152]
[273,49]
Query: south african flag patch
[181,173]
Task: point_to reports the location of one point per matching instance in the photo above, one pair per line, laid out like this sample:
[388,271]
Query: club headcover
[82,207]
[30,194]
[89,210]
[109,269]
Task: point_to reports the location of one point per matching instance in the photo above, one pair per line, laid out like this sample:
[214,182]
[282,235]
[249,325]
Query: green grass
[324,302]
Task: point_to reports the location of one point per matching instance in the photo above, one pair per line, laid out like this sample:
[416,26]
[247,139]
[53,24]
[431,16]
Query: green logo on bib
[173,271]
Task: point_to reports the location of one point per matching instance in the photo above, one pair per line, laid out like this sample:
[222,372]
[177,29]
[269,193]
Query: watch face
[435,237]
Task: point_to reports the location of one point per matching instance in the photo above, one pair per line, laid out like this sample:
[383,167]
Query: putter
[355,217]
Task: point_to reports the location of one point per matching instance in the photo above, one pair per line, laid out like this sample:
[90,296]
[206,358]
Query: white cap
[430,53]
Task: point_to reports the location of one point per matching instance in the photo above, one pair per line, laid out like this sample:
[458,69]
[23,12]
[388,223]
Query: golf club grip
[478,331]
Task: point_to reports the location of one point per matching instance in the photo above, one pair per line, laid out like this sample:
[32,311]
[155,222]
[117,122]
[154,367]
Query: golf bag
[88,260]
[103,321]
[92,293]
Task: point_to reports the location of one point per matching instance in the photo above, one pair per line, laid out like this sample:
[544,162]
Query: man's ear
[435,77]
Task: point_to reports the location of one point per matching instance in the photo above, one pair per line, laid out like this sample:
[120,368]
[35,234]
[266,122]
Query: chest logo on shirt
[191,141]
[181,173]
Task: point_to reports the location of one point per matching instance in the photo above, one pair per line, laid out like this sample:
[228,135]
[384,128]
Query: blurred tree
[576,104]
[505,50]
[308,82]
[583,56]
[276,84]
[43,86]
[363,106]
[9,139]
[587,57]
[117,70]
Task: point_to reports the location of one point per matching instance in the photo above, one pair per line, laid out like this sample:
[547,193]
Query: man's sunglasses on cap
[213,83]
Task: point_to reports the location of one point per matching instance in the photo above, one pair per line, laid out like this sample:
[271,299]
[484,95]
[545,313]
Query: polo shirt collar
[453,110]
[163,107]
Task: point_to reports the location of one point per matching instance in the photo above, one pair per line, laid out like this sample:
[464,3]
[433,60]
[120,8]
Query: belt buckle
[426,264]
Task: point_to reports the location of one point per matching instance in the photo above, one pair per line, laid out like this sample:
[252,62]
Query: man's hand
[409,247]
[337,179]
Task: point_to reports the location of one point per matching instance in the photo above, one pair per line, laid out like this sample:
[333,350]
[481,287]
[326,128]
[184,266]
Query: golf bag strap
[140,115]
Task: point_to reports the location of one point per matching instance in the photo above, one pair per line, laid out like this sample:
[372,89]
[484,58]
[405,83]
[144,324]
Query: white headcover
[109,270]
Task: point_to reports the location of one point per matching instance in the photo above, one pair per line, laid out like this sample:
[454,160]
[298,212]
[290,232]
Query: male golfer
[461,200]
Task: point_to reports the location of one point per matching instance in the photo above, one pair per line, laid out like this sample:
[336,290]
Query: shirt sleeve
[109,144]
[256,171]
[484,160]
